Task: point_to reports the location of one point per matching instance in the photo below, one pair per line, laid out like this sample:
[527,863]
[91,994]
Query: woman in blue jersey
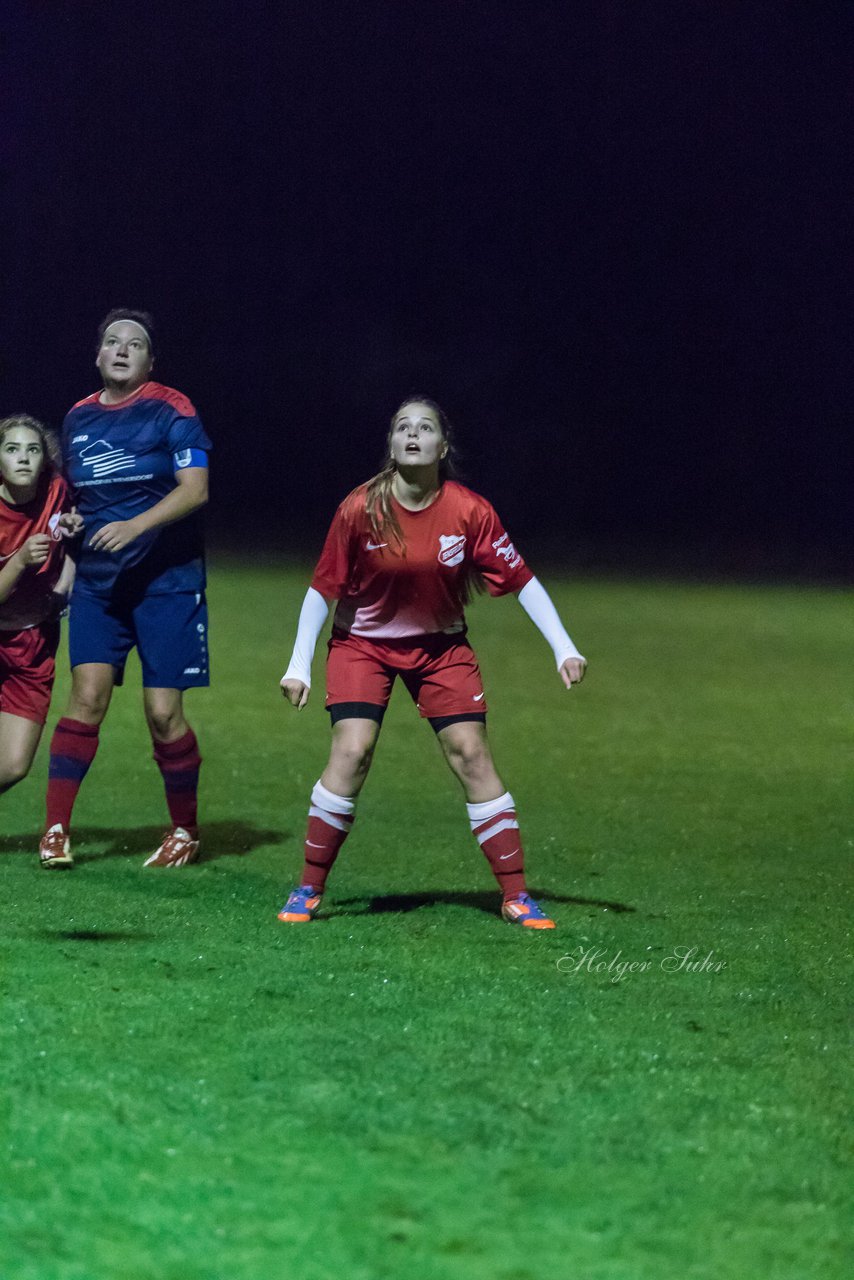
[136,456]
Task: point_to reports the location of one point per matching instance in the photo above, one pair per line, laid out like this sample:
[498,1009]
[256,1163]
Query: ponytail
[384,523]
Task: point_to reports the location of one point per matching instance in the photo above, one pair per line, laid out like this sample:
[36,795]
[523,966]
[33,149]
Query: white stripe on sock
[329,818]
[504,825]
[330,802]
[489,808]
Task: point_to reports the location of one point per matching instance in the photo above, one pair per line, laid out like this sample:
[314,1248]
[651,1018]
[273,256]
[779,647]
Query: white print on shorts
[451,548]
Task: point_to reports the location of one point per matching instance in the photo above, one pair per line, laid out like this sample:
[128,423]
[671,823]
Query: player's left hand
[572,671]
[114,536]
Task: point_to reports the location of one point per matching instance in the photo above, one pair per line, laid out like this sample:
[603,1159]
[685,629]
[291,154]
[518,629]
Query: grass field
[409,1087]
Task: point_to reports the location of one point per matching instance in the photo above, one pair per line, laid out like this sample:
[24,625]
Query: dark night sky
[613,238]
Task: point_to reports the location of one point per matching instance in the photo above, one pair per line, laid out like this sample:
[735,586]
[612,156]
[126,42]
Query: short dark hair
[50,444]
[144,318]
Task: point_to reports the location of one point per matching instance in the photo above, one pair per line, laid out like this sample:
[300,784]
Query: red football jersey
[30,602]
[389,594]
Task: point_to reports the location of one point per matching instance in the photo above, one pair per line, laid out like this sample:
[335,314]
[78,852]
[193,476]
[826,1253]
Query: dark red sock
[72,750]
[179,763]
[496,829]
[330,818]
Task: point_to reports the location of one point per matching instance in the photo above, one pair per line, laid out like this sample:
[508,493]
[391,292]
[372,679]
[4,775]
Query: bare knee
[166,725]
[164,713]
[13,770]
[353,758]
[467,752]
[19,740]
[469,760]
[350,758]
[90,697]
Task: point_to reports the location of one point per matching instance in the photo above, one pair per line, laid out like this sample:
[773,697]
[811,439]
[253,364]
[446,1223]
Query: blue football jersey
[120,460]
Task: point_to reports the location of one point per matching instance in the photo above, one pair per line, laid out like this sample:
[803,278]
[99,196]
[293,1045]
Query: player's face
[21,457]
[416,437]
[124,358]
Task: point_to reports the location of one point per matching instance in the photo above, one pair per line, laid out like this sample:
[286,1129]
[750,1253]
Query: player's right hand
[71,523]
[295,691]
[35,550]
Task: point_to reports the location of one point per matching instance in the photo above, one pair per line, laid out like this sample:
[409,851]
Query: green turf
[409,1087]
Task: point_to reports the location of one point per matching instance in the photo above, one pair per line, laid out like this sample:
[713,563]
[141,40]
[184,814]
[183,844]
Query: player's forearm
[10,575]
[537,603]
[313,615]
[66,577]
[189,494]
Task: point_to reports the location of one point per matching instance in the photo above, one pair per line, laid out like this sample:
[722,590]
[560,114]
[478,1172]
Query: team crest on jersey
[451,548]
[53,526]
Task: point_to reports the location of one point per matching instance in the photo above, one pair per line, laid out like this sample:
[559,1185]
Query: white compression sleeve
[313,614]
[537,603]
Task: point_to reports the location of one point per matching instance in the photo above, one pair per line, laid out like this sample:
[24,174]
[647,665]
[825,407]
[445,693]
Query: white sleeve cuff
[313,614]
[537,603]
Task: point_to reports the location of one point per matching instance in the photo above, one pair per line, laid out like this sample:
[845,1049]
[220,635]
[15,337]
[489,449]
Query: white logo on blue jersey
[183,458]
[104,461]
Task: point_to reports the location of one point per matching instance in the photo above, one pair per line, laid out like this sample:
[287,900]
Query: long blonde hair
[384,523]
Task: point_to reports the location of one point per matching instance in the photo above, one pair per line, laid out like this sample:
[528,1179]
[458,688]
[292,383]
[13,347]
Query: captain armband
[189,458]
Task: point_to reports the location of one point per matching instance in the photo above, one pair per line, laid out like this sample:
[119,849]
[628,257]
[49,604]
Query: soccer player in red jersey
[35,578]
[136,456]
[401,558]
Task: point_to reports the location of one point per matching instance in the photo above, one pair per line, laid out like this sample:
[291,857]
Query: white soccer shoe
[177,850]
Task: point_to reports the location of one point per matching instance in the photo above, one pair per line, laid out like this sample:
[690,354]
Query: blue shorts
[170,633]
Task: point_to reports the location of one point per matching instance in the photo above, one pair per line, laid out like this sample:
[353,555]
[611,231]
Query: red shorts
[440,672]
[27,669]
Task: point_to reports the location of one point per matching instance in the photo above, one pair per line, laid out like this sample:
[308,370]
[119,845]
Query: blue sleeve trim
[189,458]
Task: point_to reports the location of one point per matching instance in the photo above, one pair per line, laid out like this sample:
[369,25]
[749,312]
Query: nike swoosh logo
[315,846]
[476,697]
[375,546]
[505,856]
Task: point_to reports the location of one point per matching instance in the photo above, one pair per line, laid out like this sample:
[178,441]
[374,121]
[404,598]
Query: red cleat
[177,850]
[55,848]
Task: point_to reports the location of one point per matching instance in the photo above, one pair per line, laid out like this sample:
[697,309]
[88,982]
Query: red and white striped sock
[496,829]
[330,818]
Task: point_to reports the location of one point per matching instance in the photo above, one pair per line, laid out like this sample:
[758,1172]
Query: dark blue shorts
[170,633]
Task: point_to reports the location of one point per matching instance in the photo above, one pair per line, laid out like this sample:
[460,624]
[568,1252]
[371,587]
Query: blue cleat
[525,911]
[302,905]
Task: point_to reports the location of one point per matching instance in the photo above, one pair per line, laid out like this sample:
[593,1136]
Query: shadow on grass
[94,935]
[400,903]
[219,840]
